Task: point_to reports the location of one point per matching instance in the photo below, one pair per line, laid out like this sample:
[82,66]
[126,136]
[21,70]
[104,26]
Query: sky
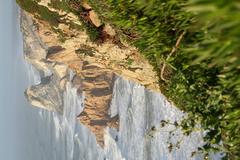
[16,133]
[8,136]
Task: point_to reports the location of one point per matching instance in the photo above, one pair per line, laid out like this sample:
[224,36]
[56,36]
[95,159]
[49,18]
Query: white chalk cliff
[99,113]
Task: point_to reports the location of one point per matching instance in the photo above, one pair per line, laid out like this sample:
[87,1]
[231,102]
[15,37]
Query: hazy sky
[24,135]
[8,136]
[16,134]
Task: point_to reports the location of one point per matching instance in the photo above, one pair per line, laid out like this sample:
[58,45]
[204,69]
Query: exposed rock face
[94,81]
[48,94]
[117,118]
[95,67]
[94,18]
[32,41]
[97,86]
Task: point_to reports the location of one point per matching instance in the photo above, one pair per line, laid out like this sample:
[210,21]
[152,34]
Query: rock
[109,30]
[55,49]
[49,93]
[61,70]
[86,6]
[94,19]
[32,39]
[46,95]
[63,27]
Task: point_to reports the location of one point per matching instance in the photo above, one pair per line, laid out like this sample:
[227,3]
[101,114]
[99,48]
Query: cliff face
[102,109]
[95,68]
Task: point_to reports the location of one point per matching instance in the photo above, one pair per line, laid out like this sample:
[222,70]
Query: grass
[75,7]
[198,77]
[41,12]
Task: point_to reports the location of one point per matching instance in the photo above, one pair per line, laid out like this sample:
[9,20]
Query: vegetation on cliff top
[194,47]
[41,12]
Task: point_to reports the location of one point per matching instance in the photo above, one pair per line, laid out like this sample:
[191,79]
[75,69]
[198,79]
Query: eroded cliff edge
[95,67]
[127,119]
